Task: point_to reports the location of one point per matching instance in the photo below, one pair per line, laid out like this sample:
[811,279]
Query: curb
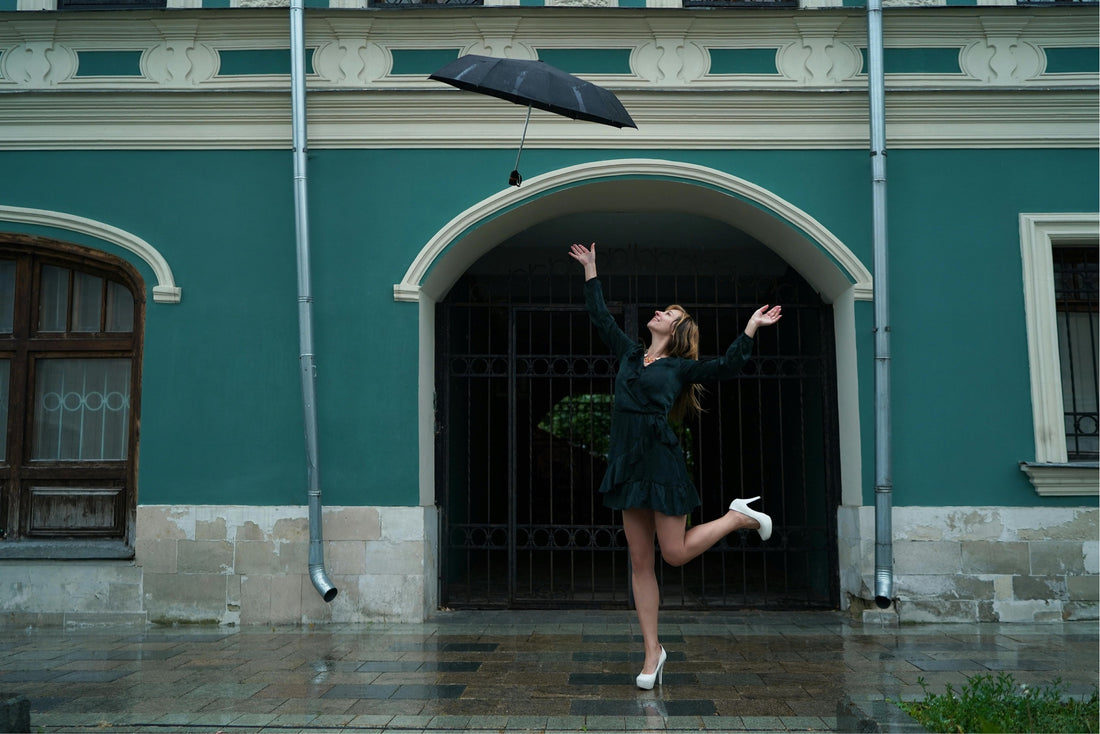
[15,713]
[874,715]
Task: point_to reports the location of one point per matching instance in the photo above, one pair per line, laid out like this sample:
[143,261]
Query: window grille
[1076,298]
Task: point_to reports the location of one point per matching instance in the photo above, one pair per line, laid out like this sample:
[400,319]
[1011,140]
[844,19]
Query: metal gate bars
[524,392]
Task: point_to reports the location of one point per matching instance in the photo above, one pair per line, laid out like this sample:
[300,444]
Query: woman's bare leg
[678,545]
[639,526]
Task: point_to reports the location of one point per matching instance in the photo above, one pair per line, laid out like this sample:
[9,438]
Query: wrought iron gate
[524,390]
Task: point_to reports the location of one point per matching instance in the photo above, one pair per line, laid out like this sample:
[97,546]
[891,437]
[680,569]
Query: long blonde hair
[684,342]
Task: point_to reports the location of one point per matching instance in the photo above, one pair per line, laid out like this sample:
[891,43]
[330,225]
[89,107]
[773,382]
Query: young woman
[646,473]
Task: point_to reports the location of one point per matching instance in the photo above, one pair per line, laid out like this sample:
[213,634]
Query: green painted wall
[221,416]
[108,63]
[962,418]
[221,412]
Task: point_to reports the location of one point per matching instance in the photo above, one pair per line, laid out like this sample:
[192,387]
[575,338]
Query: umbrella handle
[523,138]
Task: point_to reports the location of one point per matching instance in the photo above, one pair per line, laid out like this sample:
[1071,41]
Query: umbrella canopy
[536,84]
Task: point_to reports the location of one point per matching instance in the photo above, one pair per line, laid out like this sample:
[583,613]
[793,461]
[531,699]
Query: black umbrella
[535,84]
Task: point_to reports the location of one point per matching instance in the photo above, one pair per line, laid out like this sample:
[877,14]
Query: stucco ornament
[179,60]
[351,61]
[498,38]
[670,59]
[38,61]
[1001,58]
[818,58]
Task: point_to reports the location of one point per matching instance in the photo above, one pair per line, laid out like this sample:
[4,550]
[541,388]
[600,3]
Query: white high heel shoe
[742,506]
[645,680]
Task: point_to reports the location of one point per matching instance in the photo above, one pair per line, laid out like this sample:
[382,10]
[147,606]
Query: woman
[646,474]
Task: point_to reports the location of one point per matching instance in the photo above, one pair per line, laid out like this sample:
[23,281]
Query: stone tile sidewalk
[516,671]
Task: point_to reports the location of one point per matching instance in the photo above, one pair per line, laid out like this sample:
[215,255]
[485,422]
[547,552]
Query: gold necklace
[647,360]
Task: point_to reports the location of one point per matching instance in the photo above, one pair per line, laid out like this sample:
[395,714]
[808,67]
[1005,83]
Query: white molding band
[1001,96]
[855,275]
[165,291]
[1039,234]
[704,120]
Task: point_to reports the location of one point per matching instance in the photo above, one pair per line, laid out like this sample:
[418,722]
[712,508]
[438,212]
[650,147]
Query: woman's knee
[674,558]
[641,560]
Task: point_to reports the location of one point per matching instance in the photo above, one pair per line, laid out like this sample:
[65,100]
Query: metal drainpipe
[884,548]
[305,300]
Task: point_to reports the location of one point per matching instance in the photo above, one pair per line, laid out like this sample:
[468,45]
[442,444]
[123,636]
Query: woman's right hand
[586,256]
[582,254]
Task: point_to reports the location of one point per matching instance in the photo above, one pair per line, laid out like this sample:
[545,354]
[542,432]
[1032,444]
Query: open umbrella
[535,84]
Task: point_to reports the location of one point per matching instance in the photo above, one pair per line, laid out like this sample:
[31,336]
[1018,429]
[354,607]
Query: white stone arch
[639,185]
[165,290]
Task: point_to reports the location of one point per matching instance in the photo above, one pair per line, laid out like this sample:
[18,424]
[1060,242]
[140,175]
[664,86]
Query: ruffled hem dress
[645,464]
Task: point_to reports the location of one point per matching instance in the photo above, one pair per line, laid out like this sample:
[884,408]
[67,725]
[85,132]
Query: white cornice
[1001,96]
[750,120]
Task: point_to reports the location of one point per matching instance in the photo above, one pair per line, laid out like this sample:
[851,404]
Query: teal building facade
[148,152]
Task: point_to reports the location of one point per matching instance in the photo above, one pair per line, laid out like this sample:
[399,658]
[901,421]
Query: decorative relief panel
[38,63]
[351,61]
[818,58]
[179,61]
[670,58]
[498,38]
[1002,57]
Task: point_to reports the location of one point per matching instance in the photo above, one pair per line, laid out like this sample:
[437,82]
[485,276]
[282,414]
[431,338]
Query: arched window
[70,372]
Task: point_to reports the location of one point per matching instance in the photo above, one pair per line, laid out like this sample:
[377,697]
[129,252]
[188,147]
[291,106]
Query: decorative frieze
[774,84]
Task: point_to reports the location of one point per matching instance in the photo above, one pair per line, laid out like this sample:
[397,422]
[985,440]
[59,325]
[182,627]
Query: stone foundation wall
[966,564]
[249,565]
[238,565]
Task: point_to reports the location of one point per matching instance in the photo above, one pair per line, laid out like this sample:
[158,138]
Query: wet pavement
[517,671]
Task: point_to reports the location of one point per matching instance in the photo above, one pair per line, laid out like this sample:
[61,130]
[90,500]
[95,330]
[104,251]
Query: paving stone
[517,671]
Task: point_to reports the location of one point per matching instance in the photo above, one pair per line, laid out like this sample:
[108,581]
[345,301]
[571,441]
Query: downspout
[305,300]
[884,548]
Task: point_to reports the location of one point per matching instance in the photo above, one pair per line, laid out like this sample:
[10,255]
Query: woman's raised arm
[586,257]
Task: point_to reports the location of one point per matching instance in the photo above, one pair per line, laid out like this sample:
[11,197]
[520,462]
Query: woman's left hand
[764,316]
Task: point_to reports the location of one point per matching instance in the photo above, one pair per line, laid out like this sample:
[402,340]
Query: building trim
[418,276]
[819,256]
[165,291]
[1001,97]
[1050,473]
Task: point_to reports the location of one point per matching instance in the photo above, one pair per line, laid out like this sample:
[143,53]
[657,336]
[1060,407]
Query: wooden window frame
[20,474]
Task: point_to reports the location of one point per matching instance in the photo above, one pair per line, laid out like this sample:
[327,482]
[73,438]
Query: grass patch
[999,704]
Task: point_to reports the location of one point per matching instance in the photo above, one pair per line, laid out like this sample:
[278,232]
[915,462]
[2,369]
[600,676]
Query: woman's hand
[763,317]
[586,257]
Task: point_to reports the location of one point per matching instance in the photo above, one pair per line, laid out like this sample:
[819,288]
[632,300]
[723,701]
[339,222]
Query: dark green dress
[645,465]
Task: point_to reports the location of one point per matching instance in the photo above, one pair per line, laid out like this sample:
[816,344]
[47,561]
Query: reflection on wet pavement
[516,671]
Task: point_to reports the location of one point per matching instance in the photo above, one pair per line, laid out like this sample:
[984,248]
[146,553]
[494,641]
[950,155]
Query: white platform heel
[742,506]
[645,680]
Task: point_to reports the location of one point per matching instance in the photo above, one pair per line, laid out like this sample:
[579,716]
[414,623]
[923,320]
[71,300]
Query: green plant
[988,704]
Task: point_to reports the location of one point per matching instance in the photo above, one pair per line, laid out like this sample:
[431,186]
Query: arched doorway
[632,186]
[524,390]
